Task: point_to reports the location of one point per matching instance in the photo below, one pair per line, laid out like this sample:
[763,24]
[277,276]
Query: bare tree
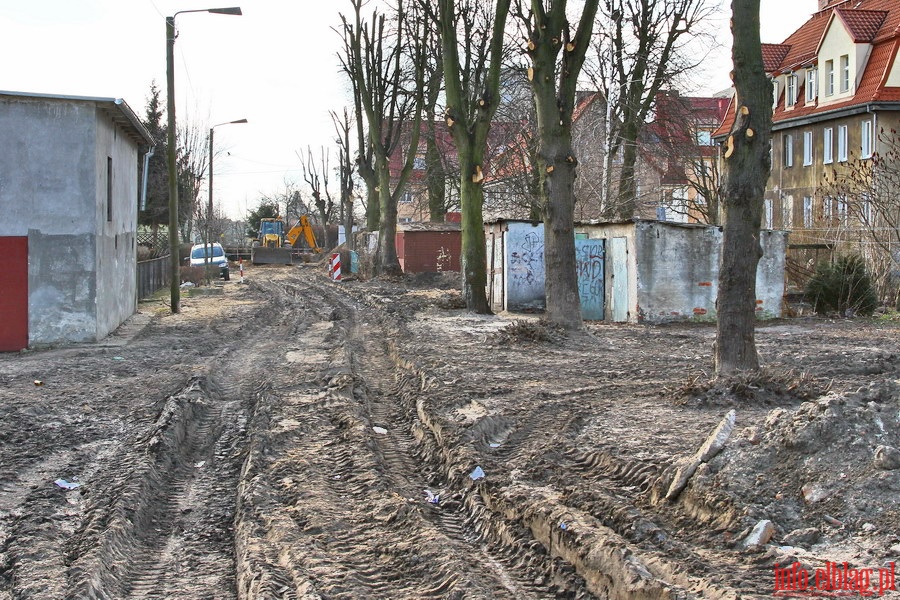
[345,174]
[472,40]
[386,70]
[863,212]
[316,177]
[747,167]
[640,50]
[193,163]
[557,55]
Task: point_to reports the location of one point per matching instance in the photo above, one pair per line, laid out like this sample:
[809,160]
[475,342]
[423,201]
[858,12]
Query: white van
[216,257]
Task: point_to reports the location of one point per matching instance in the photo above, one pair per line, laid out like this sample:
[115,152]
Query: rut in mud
[295,438]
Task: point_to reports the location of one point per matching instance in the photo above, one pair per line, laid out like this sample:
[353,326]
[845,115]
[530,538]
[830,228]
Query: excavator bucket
[260,255]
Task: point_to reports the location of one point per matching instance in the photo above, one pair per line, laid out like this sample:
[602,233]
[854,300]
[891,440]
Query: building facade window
[704,137]
[829,77]
[807,212]
[866,139]
[807,148]
[828,145]
[841,208]
[768,213]
[788,150]
[109,188]
[787,212]
[845,73]
[827,208]
[774,92]
[812,84]
[790,93]
[865,210]
[842,143]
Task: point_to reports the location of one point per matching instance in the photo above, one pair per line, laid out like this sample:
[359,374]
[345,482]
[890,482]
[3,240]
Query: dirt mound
[825,473]
[766,387]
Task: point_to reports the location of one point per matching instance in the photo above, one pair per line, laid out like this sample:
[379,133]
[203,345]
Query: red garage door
[13,293]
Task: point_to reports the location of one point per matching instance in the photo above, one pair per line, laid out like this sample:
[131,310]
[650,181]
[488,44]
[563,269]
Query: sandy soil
[295,438]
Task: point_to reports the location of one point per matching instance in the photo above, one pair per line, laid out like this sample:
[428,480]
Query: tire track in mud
[162,526]
[359,522]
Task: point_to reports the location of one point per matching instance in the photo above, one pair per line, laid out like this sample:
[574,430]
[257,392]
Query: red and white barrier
[334,267]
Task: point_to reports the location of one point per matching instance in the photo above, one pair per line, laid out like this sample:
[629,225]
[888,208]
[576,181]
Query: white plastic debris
[66,485]
[379,430]
[476,474]
[431,497]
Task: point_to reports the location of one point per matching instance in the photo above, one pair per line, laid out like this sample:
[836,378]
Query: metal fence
[152,275]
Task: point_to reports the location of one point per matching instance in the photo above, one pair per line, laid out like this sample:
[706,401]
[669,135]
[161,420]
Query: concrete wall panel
[62,281]
[46,167]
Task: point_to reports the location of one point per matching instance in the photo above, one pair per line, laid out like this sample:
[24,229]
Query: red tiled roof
[773,55]
[862,24]
[867,21]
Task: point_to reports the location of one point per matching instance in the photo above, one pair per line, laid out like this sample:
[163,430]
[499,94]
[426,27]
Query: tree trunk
[626,200]
[472,260]
[435,176]
[747,166]
[388,262]
[558,211]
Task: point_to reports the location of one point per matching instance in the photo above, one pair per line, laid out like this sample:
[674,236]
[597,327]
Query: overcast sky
[274,66]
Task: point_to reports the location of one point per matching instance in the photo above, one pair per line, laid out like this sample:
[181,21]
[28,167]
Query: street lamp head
[240,121]
[233,10]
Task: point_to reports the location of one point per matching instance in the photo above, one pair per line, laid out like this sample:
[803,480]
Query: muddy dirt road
[293,438]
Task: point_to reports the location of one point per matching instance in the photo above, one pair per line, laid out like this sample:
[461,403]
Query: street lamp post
[209,210]
[174,261]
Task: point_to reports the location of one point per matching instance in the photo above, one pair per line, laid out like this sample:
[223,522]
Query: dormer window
[845,73]
[790,93]
[774,92]
[829,77]
[812,86]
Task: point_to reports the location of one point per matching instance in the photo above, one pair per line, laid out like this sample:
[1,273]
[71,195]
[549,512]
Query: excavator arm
[304,228]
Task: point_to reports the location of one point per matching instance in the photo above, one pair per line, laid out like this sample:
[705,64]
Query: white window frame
[842,143]
[807,148]
[790,93]
[787,148]
[774,92]
[866,145]
[768,212]
[829,77]
[828,145]
[807,212]
[845,73]
[827,204]
[812,85]
[787,212]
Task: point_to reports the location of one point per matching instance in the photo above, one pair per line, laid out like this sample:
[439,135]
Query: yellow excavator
[304,228]
[274,247]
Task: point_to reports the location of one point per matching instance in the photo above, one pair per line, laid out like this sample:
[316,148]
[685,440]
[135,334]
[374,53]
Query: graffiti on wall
[526,259]
[589,256]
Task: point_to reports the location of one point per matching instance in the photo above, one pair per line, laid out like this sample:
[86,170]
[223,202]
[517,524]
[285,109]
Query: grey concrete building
[637,271]
[69,184]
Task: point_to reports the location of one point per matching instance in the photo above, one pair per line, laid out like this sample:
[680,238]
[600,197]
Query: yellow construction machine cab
[271,232]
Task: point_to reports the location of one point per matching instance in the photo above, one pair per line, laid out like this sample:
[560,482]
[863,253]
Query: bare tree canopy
[384,61]
[640,50]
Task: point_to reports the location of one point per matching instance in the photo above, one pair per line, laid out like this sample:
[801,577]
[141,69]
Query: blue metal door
[589,262]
